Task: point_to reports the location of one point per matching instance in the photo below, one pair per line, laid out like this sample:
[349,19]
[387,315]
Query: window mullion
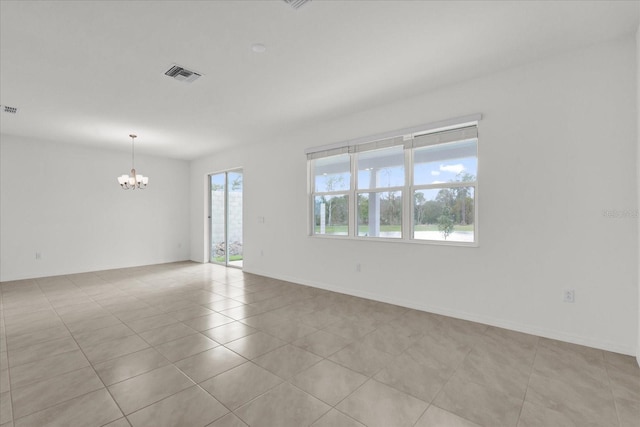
[407,201]
[353,211]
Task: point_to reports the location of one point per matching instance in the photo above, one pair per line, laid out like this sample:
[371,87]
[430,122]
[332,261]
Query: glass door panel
[234,218]
[218,218]
[226,218]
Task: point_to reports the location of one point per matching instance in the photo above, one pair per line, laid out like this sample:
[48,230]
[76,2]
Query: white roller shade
[460,134]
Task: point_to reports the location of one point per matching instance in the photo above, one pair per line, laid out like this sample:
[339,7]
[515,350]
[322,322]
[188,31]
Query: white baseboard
[501,323]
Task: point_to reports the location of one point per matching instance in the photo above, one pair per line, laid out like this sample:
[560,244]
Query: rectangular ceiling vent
[7,109]
[296,3]
[182,74]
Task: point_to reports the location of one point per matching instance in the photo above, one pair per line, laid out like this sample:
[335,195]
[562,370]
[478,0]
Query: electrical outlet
[38,255]
[569,295]
[358,267]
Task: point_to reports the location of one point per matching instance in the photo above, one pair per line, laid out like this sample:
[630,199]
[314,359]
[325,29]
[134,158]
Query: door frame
[226,262]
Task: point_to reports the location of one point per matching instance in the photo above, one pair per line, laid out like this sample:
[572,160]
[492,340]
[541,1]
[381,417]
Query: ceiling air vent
[296,3]
[7,109]
[182,74]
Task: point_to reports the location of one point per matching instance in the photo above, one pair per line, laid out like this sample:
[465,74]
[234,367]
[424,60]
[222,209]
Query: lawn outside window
[419,186]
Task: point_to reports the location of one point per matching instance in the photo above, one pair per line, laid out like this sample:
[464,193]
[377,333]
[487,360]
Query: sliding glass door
[226,218]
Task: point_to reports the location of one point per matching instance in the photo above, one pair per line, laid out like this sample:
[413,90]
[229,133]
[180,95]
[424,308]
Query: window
[418,186]
[380,183]
[444,187]
[332,184]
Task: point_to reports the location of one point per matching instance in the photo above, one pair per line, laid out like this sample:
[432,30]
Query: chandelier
[135,180]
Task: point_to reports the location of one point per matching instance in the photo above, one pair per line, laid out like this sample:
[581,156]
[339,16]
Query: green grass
[231,258]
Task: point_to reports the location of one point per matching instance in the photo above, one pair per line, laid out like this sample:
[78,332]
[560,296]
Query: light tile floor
[189,344]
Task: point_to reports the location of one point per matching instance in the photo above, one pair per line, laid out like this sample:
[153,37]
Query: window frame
[407,190]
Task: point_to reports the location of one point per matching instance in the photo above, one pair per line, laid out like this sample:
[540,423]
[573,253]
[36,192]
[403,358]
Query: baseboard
[500,323]
[94,269]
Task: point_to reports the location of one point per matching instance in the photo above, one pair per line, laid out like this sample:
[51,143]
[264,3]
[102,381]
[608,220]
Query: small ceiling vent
[296,3]
[7,109]
[182,74]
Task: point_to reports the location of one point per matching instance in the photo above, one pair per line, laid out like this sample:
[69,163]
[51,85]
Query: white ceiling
[91,72]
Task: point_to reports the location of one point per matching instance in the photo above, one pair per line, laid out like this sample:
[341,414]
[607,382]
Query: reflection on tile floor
[188,344]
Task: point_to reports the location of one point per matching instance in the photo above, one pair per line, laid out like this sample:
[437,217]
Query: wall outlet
[569,295]
[358,267]
[261,252]
[38,255]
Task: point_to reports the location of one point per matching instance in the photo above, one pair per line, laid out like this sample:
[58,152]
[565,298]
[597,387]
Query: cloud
[435,173]
[452,168]
[438,182]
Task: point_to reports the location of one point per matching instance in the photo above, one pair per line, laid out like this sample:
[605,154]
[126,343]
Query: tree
[419,203]
[332,182]
[236,184]
[462,195]
[445,222]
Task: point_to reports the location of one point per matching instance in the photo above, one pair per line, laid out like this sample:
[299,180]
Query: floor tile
[624,383]
[287,361]
[490,372]
[92,324]
[284,405]
[229,332]
[44,394]
[255,345]
[167,333]
[90,338]
[334,418]
[106,350]
[628,412]
[209,363]
[361,358]
[477,403]
[321,343]
[190,312]
[121,422]
[224,304]
[184,347]
[241,311]
[389,340]
[38,351]
[319,319]
[31,327]
[153,322]
[375,404]
[203,323]
[469,372]
[47,368]
[92,409]
[577,401]
[4,380]
[130,365]
[539,416]
[289,331]
[418,380]
[6,414]
[352,330]
[241,384]
[328,381]
[229,420]
[436,417]
[131,315]
[36,337]
[145,389]
[191,407]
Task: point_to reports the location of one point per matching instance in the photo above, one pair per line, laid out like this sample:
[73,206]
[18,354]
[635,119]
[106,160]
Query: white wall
[64,201]
[638,175]
[557,148]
